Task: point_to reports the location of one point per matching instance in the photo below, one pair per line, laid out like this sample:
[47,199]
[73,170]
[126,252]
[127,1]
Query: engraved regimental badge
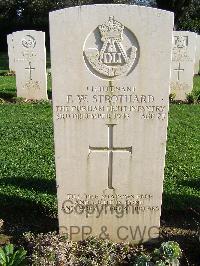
[180,51]
[180,42]
[116,53]
[29,42]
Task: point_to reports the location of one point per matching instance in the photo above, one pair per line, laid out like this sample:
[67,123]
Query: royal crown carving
[112,29]
[112,60]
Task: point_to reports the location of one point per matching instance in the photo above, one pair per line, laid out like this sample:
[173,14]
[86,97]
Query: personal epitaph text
[110,107]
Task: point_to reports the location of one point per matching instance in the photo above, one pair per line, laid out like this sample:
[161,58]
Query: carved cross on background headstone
[110,149]
[179,69]
[30,68]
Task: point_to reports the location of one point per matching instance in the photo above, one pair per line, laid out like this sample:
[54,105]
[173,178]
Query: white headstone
[30,64]
[111,71]
[197,57]
[11,55]
[183,60]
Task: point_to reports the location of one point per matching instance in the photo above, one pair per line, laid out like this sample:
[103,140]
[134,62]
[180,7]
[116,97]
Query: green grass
[27,175]
[7,87]
[197,82]
[182,172]
[196,88]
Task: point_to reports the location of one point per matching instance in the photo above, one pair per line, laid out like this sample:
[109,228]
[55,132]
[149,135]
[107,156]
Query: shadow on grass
[24,214]
[192,183]
[21,215]
[180,202]
[7,95]
[49,93]
[182,226]
[37,184]
[188,241]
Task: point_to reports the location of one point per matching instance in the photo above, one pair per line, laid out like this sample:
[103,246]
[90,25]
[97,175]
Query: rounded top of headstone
[159,12]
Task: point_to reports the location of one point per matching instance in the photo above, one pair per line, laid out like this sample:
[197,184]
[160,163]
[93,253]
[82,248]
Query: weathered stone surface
[111,74]
[11,55]
[30,64]
[183,60]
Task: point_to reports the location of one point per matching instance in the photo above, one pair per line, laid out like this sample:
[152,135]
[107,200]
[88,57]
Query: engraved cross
[30,68]
[179,69]
[110,150]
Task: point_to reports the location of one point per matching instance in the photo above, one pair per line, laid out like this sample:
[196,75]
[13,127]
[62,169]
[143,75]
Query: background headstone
[183,60]
[111,71]
[30,64]
[11,55]
[197,56]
